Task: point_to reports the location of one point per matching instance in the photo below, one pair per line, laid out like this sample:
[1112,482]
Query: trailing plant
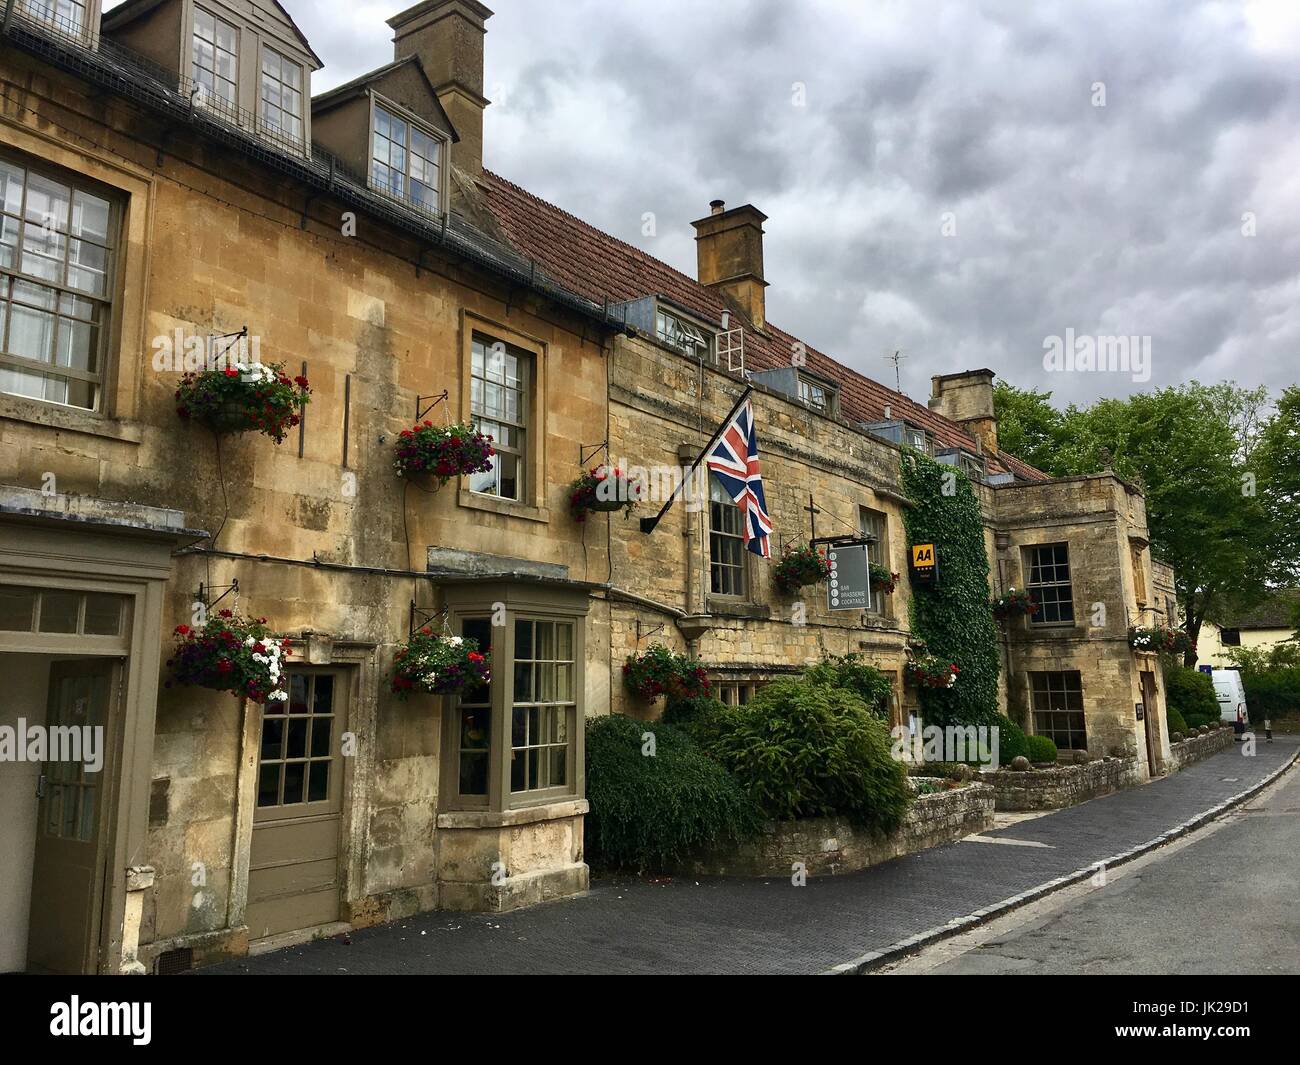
[930,671]
[1014,604]
[1161,639]
[231,654]
[808,750]
[1041,748]
[439,665]
[244,398]
[882,579]
[603,489]
[650,813]
[442,451]
[658,671]
[953,616]
[799,566]
[853,673]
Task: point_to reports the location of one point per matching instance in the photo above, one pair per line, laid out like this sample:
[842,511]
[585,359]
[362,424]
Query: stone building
[169,178]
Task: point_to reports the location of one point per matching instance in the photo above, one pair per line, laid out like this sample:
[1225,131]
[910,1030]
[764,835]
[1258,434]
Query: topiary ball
[1020,763]
[1081,758]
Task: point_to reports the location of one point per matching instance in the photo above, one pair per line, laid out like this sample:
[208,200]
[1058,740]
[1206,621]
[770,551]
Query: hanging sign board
[925,564]
[849,584]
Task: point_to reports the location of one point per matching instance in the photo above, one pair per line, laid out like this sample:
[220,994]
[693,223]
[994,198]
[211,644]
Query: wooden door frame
[100,882]
[355,662]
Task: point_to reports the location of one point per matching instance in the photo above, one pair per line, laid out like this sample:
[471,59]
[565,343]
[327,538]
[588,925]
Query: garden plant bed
[826,846]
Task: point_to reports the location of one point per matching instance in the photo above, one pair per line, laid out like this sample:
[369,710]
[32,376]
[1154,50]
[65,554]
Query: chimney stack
[447,36]
[967,398]
[729,250]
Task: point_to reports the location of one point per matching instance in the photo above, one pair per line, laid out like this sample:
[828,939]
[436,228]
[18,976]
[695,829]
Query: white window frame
[380,103]
[304,96]
[682,334]
[200,96]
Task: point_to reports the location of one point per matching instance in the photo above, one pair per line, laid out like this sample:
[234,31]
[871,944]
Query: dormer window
[281,99]
[66,16]
[406,160]
[916,438]
[817,395]
[216,60]
[687,338]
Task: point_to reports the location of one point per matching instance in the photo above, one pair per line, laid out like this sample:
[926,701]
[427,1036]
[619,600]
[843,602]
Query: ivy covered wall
[953,617]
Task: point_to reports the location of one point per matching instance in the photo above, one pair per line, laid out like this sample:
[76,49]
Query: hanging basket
[603,489]
[800,566]
[439,665]
[883,579]
[244,398]
[231,654]
[1014,604]
[659,671]
[437,453]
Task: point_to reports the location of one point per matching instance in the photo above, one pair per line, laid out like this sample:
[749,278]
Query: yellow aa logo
[923,555]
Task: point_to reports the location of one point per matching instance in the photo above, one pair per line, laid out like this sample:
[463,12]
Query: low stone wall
[1051,789]
[830,845]
[1195,748]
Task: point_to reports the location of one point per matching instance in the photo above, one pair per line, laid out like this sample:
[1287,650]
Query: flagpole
[648,524]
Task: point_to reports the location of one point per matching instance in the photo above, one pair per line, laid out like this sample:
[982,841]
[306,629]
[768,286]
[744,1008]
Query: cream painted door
[67,882]
[293,877]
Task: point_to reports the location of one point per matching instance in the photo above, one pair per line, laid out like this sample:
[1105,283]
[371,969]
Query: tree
[1277,460]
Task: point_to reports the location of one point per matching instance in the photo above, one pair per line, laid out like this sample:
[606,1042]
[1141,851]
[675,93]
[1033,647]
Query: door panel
[66,881]
[293,879]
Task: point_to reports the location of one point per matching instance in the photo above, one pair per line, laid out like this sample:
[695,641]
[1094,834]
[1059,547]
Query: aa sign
[925,563]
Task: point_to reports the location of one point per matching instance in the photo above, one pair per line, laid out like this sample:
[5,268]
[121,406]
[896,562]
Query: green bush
[1041,749]
[1191,694]
[1012,741]
[648,813]
[808,750]
[851,672]
[697,716]
[1272,695]
[1174,720]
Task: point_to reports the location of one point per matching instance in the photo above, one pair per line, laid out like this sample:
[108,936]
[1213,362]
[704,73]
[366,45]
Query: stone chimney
[967,398]
[729,249]
[447,35]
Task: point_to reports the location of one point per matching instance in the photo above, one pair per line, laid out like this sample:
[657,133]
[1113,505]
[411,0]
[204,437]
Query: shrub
[1191,694]
[808,750]
[699,716]
[1041,749]
[851,672]
[1271,695]
[651,812]
[1173,719]
[1012,741]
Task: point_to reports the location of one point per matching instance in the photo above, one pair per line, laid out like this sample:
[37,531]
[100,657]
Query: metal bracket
[205,591]
[646,635]
[423,618]
[421,412]
[586,452]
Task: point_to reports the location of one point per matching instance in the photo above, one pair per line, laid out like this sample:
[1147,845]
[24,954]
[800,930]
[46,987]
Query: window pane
[295,776]
[17,609]
[272,738]
[318,782]
[11,187]
[103,615]
[47,203]
[59,611]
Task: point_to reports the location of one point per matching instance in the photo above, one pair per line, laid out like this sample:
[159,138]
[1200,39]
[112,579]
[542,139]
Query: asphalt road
[1225,902]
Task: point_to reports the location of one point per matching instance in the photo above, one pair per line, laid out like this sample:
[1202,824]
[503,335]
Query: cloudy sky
[941,176]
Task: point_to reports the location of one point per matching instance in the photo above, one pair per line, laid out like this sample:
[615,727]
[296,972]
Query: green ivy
[953,618]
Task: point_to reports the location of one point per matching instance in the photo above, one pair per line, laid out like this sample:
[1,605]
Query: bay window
[516,741]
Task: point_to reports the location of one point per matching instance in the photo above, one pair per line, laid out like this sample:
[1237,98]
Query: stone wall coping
[527,815]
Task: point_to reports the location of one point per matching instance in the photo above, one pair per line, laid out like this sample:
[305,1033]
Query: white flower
[249,642]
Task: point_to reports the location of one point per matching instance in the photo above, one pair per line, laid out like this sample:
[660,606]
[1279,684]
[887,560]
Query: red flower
[231,372]
[182,630]
[300,381]
[474,656]
[227,614]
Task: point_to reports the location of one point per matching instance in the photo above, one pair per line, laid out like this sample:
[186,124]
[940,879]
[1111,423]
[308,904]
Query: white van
[1231,694]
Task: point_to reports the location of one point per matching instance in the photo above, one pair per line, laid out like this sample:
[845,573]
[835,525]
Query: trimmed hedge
[808,750]
[1041,749]
[649,813]
[1271,695]
[1174,720]
[1012,741]
[1191,694]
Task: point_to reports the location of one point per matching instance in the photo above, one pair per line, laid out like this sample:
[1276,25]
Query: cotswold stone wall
[1195,748]
[1050,789]
[826,846]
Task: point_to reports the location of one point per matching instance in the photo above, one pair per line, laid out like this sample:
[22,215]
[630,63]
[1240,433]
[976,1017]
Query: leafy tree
[1277,460]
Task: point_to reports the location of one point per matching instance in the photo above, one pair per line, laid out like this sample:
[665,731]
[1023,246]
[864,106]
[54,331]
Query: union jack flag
[734,460]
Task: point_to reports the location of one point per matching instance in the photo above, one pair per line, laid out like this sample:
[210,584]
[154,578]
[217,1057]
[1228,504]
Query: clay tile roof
[603,268]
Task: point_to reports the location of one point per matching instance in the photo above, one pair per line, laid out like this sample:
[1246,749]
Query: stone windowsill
[510,508]
[737,608]
[524,815]
[68,419]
